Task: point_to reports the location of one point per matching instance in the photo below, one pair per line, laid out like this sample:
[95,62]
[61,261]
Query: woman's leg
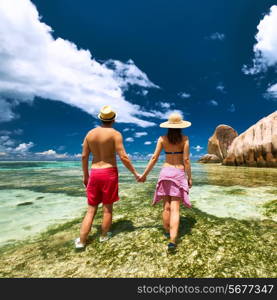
[174,218]
[166,213]
[87,222]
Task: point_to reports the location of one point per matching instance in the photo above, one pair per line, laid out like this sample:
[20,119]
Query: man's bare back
[102,144]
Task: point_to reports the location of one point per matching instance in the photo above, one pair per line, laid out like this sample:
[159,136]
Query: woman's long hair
[174,135]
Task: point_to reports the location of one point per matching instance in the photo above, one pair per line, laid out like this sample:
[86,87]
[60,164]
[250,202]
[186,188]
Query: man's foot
[171,247]
[106,237]
[79,245]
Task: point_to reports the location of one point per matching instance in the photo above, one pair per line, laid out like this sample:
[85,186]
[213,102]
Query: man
[104,143]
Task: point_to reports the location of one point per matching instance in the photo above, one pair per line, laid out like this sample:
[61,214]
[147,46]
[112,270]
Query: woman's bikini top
[181,152]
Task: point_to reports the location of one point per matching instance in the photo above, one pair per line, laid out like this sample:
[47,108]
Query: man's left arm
[85,159]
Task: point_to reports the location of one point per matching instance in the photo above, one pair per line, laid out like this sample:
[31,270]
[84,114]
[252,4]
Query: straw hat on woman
[175,176]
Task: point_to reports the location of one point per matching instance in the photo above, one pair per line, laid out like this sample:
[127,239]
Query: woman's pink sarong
[172,182]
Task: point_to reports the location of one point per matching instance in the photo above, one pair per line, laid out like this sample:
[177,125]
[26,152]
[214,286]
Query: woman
[175,176]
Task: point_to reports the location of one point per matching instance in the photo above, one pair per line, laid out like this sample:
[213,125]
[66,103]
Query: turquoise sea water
[34,195]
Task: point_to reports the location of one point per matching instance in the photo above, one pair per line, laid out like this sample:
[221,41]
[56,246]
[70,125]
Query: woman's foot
[171,247]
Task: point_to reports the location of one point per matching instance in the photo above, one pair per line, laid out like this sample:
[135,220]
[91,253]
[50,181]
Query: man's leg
[174,218]
[87,223]
[107,218]
[166,213]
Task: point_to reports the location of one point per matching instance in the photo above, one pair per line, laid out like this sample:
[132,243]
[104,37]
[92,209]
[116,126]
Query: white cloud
[147,143]
[184,95]
[12,150]
[217,36]
[63,155]
[165,104]
[140,134]
[6,141]
[34,63]
[129,74]
[232,108]
[11,132]
[18,131]
[129,139]
[142,92]
[7,144]
[48,152]
[265,50]
[220,87]
[6,107]
[197,148]
[128,129]
[51,154]
[161,115]
[24,147]
[272,90]
[165,115]
[213,102]
[195,156]
[78,155]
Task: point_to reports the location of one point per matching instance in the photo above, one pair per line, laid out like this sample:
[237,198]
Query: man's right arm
[85,159]
[120,150]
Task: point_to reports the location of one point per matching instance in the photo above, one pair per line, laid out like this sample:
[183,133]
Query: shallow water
[34,195]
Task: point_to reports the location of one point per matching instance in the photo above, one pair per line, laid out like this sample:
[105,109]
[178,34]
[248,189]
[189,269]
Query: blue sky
[148,58]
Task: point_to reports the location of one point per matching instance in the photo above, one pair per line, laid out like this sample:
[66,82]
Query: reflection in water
[229,176]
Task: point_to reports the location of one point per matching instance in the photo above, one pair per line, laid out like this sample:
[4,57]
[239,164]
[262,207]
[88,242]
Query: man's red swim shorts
[102,186]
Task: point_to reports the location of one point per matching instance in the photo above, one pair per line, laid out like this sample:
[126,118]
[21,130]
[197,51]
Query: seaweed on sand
[270,208]
[207,247]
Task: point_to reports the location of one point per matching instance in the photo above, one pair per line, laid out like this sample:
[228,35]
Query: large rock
[218,144]
[221,140]
[209,158]
[257,146]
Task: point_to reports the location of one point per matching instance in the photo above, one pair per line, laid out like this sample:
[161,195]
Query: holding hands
[142,178]
[139,177]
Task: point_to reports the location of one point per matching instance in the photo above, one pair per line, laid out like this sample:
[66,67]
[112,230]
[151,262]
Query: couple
[101,184]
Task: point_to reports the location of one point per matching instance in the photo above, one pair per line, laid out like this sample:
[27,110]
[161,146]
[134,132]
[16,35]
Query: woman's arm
[186,159]
[153,160]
